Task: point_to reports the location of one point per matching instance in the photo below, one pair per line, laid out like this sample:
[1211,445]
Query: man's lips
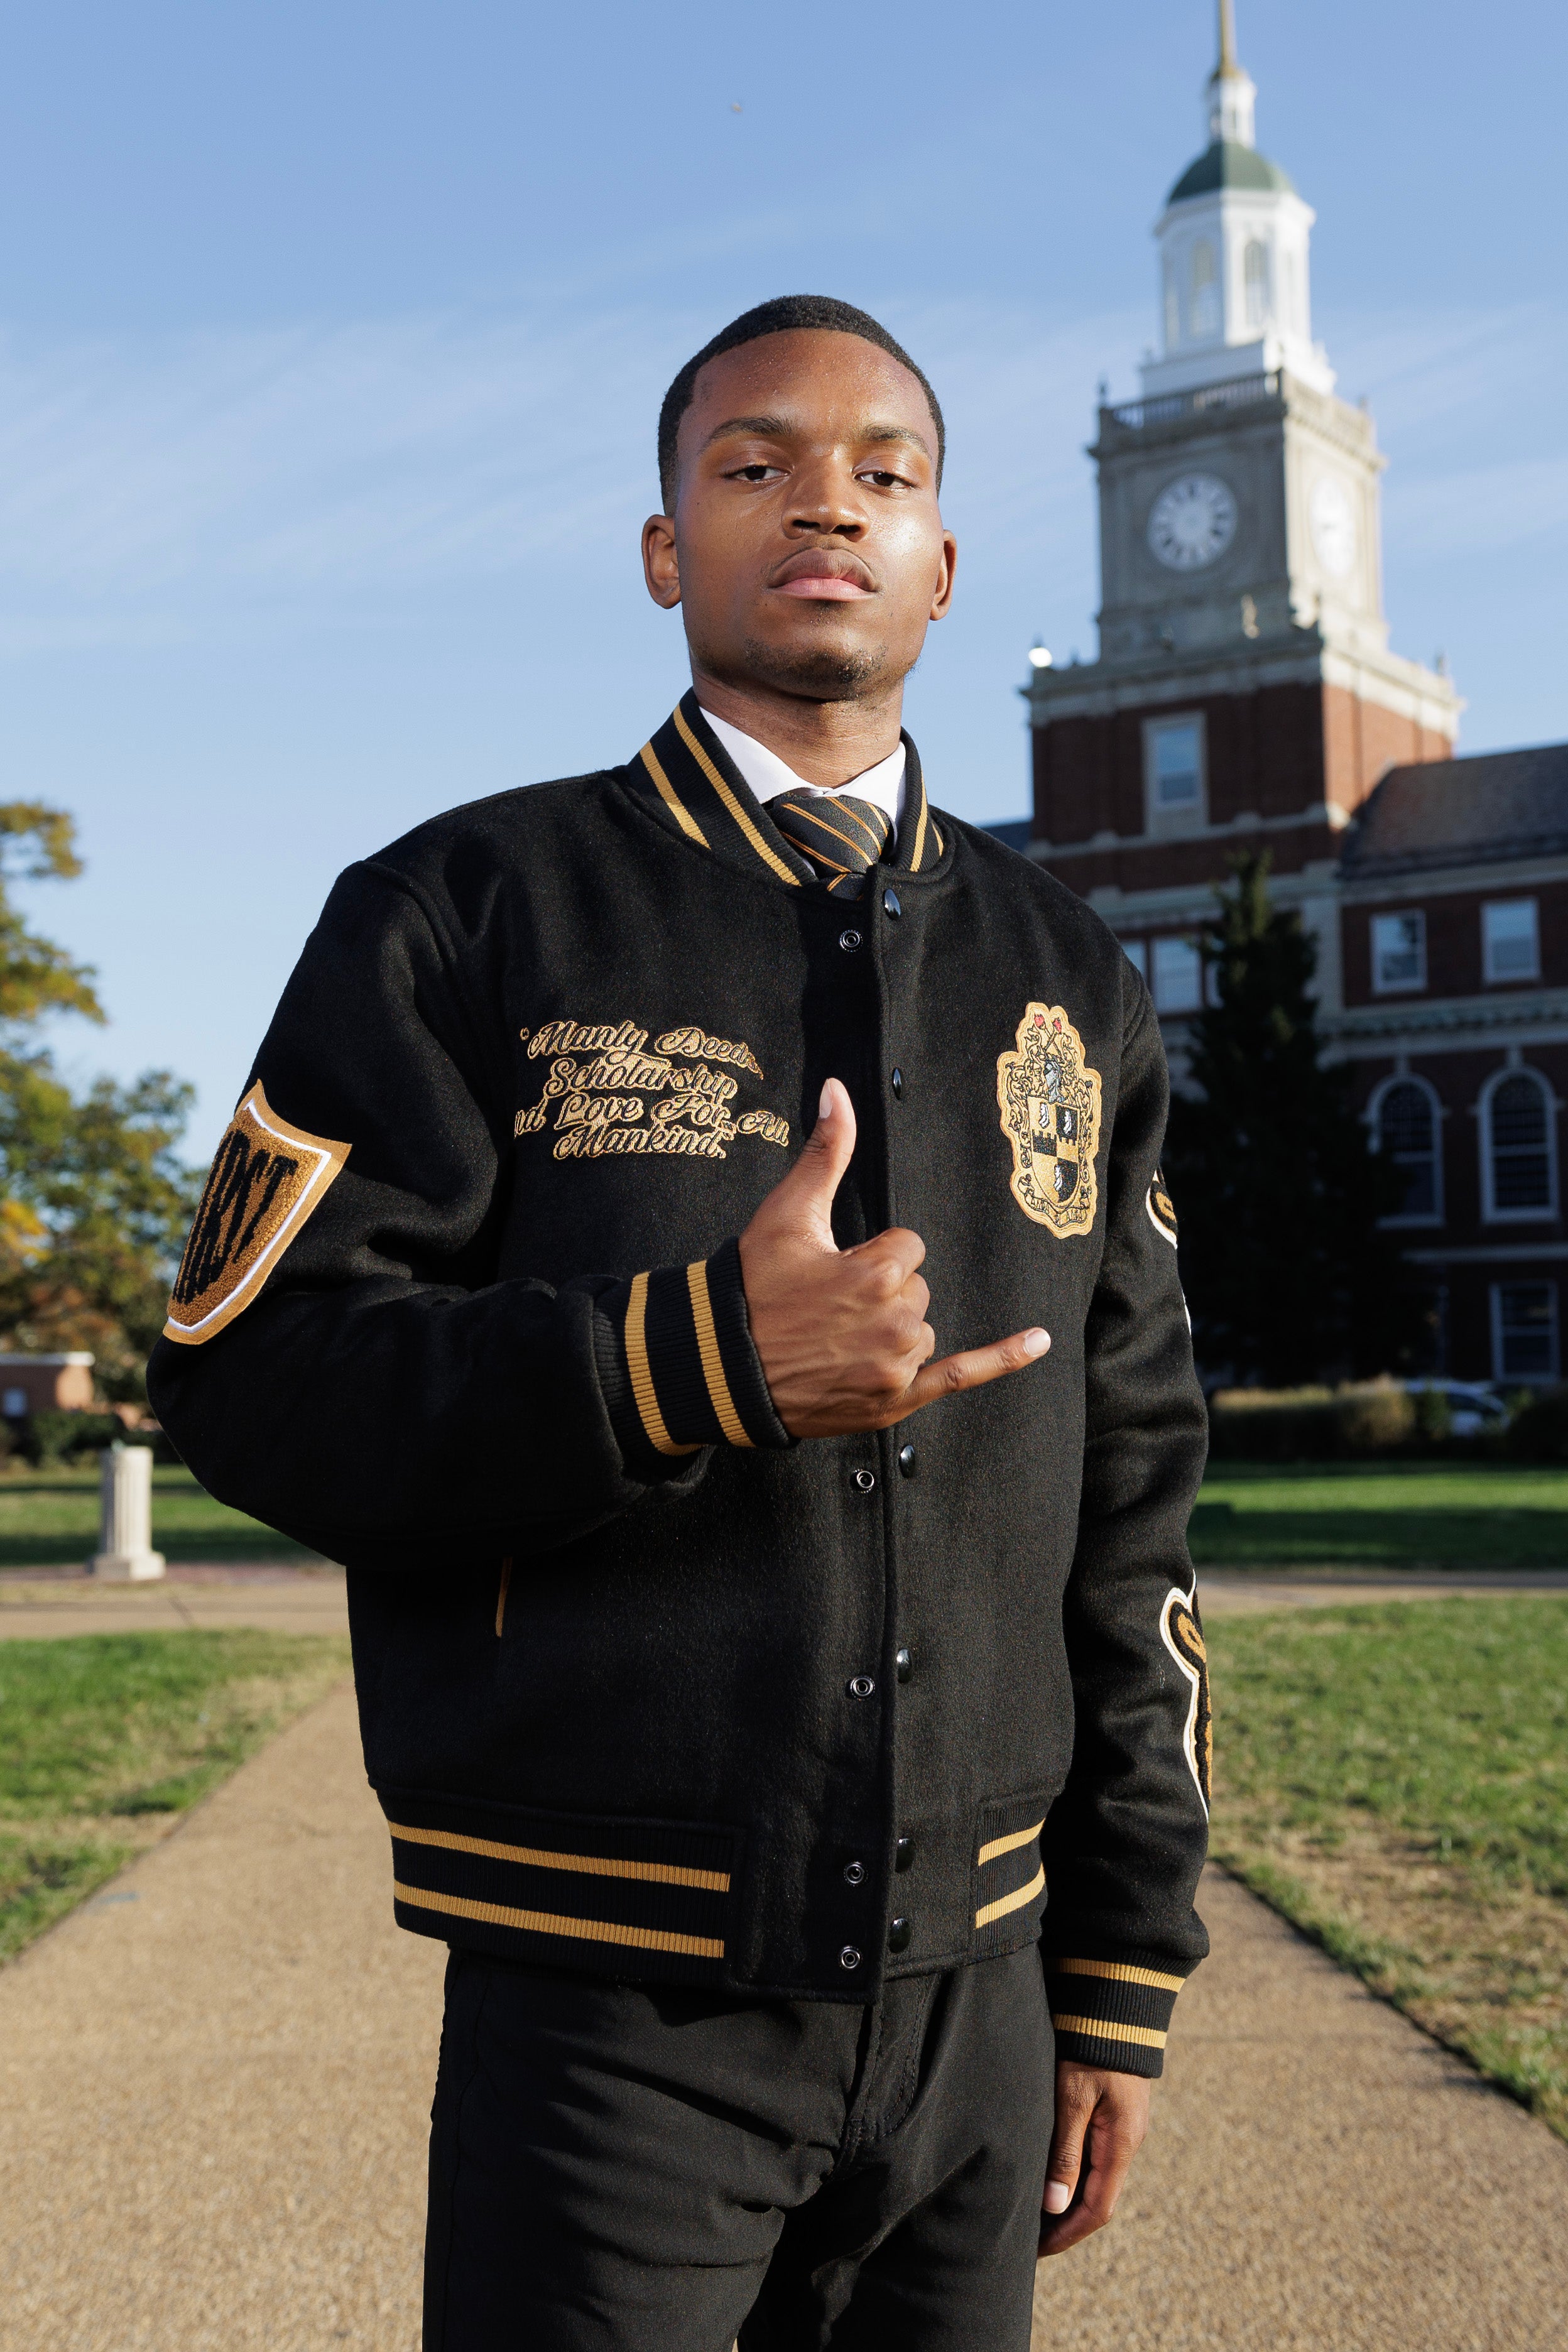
[827,579]
[829,588]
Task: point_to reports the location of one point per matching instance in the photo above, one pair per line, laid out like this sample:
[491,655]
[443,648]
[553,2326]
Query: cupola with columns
[1234,291]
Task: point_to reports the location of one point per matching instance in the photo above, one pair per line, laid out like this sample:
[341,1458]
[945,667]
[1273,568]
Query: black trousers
[625,2168]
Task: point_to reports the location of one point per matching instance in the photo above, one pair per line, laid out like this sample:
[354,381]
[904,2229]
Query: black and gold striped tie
[842,837]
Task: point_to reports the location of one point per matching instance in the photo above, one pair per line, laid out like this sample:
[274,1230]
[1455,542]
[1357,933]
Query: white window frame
[1374,1116]
[1381,987]
[1258,314]
[1490,1213]
[1496,1316]
[1205,311]
[1505,979]
[1195,814]
[1180,940]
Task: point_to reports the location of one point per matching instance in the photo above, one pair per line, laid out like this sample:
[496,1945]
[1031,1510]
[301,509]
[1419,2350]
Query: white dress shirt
[768,776]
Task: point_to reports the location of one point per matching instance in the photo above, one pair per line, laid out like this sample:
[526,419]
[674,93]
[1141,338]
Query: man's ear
[660,564]
[943,596]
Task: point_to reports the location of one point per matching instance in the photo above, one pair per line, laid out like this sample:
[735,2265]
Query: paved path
[282,1599]
[213,2100]
[312,1600]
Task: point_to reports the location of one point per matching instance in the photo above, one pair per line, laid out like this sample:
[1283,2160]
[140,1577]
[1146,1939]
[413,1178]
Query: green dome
[1228,164]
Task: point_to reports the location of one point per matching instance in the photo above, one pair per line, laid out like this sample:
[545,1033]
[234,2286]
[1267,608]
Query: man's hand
[842,1334]
[1103,2117]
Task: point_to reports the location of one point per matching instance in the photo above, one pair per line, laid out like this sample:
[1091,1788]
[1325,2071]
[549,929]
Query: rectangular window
[1398,952]
[1174,760]
[1178,976]
[1511,939]
[1524,1330]
[1137,954]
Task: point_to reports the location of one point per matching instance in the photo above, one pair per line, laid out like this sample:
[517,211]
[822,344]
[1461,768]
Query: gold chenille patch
[1050,1101]
[1183,1636]
[1162,1209]
[266,1180]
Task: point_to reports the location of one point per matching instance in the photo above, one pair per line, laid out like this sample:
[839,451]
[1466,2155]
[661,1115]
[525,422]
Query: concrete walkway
[288,1599]
[215,2080]
[282,1599]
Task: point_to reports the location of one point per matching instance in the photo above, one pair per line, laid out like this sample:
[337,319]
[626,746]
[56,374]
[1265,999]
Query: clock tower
[1244,696]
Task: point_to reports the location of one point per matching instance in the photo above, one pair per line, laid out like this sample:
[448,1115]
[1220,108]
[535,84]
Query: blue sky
[331,338]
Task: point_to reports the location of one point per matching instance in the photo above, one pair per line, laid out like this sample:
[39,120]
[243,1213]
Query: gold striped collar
[686,772]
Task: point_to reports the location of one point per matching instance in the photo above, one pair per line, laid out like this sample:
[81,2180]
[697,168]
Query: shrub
[1312,1424]
[1539,1430]
[55,1436]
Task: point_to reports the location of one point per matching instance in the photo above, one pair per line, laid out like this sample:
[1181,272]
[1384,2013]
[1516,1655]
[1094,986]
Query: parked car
[1472,1409]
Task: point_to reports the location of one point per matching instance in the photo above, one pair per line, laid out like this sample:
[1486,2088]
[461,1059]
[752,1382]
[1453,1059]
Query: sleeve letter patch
[266,1179]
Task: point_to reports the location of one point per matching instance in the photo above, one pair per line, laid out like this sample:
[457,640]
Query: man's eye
[881,476]
[758,473]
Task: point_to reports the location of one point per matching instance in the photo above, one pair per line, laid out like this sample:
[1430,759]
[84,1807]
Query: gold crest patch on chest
[1051,1102]
[266,1179]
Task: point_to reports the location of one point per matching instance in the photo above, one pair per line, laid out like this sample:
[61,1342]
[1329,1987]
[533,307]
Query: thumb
[805,1196]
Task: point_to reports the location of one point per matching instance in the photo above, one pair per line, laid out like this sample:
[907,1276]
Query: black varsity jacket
[646,1687]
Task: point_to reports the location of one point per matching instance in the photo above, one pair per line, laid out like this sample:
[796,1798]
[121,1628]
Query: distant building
[1245,698]
[44,1384]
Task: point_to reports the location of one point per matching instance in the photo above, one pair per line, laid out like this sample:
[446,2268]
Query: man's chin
[822,673]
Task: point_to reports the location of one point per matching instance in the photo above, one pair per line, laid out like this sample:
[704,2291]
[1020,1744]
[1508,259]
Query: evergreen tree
[1287,1276]
[94,1201]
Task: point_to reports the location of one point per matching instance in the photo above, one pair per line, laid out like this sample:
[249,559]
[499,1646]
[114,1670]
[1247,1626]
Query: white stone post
[125,1554]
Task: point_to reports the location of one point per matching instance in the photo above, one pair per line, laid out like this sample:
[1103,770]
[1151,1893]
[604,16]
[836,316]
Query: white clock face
[1193,522]
[1333,526]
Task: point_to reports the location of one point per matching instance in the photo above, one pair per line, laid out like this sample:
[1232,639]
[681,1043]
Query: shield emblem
[1049,1100]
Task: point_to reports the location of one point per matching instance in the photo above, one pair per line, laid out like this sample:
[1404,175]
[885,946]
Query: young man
[741,1679]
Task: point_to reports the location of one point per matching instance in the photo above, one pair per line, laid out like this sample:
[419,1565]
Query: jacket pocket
[1009,1877]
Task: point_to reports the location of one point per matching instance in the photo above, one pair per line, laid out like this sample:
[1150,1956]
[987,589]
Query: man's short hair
[786,313]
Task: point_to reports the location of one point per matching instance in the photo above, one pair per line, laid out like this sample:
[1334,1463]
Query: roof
[1017,832]
[1462,812]
[1228,164]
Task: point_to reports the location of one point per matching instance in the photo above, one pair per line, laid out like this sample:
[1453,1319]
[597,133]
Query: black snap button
[890,901]
[905,1666]
[907,1461]
[865,1480]
[854,1874]
[898,1086]
[860,1687]
[903,1853]
[899,1935]
[849,1957]
[848,941]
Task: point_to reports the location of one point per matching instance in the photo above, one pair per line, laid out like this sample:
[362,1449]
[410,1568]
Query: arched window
[1405,1126]
[1255,279]
[1205,290]
[1518,1155]
[1172,306]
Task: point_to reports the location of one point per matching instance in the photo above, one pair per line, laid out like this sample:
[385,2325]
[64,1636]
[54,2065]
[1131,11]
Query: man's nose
[824,500]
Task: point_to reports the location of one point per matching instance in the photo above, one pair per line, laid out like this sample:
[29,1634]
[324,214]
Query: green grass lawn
[49,1519]
[1381,1515]
[106,1738]
[1395,1779]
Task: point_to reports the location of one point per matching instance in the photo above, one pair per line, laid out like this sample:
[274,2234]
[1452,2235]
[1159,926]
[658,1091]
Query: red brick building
[1245,697]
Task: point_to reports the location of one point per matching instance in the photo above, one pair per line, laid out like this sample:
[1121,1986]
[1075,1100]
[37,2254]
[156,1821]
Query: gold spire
[1227,39]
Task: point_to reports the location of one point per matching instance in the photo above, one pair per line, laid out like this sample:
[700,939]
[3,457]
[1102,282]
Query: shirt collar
[768,775]
[686,773]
